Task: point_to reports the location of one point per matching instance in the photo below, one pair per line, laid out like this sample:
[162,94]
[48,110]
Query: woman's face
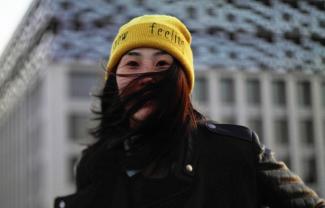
[142,60]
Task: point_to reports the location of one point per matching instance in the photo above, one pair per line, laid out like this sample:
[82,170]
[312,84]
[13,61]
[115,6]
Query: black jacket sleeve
[278,186]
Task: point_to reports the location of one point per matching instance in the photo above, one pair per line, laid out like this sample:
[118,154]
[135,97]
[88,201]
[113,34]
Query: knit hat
[155,31]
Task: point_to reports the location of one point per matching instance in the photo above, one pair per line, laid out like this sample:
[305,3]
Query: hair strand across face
[172,119]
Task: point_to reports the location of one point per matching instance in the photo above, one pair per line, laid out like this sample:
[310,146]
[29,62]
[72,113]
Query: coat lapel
[185,172]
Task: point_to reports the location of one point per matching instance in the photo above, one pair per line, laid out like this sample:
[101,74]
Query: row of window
[281,130]
[79,125]
[253,92]
[83,83]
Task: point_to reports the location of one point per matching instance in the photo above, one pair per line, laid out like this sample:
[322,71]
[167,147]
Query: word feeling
[155,30]
[170,35]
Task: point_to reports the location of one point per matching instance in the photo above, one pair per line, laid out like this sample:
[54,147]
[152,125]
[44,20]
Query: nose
[148,65]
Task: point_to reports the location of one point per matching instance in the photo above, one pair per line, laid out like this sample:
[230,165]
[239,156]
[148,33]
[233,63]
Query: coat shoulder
[239,132]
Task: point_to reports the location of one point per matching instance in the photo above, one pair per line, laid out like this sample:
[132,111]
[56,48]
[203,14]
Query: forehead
[146,52]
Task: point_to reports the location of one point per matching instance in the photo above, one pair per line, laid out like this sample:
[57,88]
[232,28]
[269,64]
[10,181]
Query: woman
[154,149]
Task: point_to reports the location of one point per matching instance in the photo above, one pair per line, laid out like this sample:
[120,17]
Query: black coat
[220,166]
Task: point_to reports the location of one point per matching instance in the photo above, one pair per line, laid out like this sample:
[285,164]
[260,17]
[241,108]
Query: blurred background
[259,63]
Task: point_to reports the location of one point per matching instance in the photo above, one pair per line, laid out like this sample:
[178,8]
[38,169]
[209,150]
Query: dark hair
[173,119]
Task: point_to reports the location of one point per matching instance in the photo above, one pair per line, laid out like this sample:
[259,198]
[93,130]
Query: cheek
[121,83]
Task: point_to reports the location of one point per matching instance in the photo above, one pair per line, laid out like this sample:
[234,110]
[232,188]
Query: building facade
[258,63]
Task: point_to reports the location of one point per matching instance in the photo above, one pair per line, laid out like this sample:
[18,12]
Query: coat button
[189,168]
[61,204]
[211,126]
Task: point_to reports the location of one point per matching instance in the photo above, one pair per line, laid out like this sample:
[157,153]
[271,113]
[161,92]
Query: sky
[11,14]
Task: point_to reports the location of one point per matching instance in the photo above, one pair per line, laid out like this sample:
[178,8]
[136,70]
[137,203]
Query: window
[279,93]
[287,161]
[323,93]
[324,132]
[306,131]
[310,170]
[227,90]
[81,84]
[72,168]
[231,17]
[210,11]
[79,124]
[201,89]
[191,12]
[321,23]
[281,131]
[66,5]
[256,125]
[139,2]
[286,17]
[304,93]
[253,92]
[264,34]
[120,8]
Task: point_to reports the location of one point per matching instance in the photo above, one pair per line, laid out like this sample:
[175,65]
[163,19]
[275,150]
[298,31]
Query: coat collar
[185,172]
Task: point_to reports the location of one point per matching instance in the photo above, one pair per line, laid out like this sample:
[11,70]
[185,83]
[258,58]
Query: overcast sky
[11,12]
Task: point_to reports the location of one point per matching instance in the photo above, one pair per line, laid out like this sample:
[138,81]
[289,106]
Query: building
[258,63]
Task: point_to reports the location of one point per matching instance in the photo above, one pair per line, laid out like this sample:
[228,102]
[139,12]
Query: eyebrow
[134,53]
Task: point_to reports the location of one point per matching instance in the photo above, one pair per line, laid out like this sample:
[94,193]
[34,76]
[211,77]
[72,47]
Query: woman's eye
[132,63]
[162,63]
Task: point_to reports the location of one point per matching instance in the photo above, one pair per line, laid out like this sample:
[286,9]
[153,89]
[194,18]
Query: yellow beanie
[155,31]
